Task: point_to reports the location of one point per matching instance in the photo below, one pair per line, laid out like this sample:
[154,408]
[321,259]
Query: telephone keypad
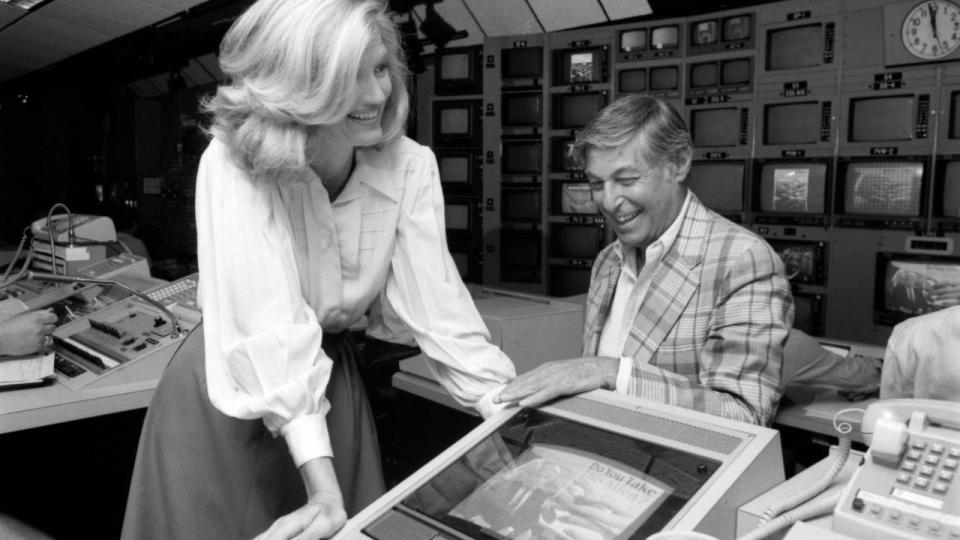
[914,455]
[926,471]
[921,483]
[950,464]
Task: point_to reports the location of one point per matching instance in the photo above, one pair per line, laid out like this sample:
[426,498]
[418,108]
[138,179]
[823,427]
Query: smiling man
[685,307]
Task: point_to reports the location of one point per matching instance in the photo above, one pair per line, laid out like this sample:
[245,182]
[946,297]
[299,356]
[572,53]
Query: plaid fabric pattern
[709,334]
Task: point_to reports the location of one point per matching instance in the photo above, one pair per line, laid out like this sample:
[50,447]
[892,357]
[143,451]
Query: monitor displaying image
[665,37]
[802,261]
[913,285]
[704,32]
[633,40]
[737,27]
[576,198]
[886,188]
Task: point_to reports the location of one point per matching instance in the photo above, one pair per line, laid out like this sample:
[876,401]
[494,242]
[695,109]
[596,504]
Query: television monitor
[521,63]
[580,66]
[950,189]
[631,81]
[459,170]
[459,71]
[575,241]
[644,467]
[737,28]
[719,126]
[574,110]
[521,157]
[736,72]
[792,187]
[803,261]
[704,32]
[704,75]
[882,118]
[460,216]
[522,109]
[882,187]
[569,280]
[521,204]
[573,198]
[718,184]
[908,284]
[665,37]
[664,78]
[633,40]
[808,313]
[795,47]
[457,123]
[792,123]
[561,157]
[520,257]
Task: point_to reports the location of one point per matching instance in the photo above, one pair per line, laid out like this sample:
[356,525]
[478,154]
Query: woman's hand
[26,333]
[322,516]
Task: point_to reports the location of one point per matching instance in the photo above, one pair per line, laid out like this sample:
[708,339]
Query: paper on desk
[25,369]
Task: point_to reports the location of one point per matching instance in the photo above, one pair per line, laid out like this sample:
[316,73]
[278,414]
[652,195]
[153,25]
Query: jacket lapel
[672,288]
[602,287]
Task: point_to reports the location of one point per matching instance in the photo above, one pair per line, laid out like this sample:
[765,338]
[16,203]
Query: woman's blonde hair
[292,65]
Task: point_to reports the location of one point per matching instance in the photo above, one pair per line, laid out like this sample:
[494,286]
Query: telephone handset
[907,485]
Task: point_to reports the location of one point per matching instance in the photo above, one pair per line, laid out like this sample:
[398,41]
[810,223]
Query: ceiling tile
[563,14]
[623,9]
[504,18]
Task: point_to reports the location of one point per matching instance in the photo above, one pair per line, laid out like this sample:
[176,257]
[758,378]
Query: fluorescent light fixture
[25,4]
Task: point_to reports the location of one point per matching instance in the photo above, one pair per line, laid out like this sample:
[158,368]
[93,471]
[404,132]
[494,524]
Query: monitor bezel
[819,247]
[473,84]
[561,65]
[845,218]
[474,183]
[813,219]
[474,135]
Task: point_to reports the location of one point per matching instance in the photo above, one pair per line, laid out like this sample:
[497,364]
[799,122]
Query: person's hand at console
[27,333]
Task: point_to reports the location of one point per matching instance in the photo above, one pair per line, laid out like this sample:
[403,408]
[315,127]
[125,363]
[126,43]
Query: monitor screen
[562,158]
[569,280]
[802,261]
[704,32]
[737,27]
[521,157]
[703,74]
[521,204]
[522,110]
[575,241]
[632,81]
[794,47]
[793,187]
[908,285]
[888,118]
[520,254]
[454,169]
[455,66]
[575,110]
[735,71]
[575,198]
[664,78]
[665,37]
[718,185]
[633,40]
[580,66]
[808,313]
[715,127]
[791,123]
[457,216]
[951,189]
[884,188]
[455,121]
[524,62]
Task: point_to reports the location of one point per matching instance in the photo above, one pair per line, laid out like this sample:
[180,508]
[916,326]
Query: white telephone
[86,227]
[907,485]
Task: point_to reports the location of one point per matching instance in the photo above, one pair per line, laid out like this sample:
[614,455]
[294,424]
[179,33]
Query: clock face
[931,30]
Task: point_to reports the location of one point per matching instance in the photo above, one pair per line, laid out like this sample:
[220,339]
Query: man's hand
[26,333]
[561,378]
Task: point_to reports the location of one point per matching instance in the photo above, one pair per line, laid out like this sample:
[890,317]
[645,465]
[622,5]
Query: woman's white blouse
[280,264]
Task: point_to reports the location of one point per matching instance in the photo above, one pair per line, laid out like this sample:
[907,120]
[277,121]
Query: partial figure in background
[921,358]
[807,362]
[313,210]
[685,307]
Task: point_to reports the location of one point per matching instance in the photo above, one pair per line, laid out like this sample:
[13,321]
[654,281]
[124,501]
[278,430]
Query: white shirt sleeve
[262,341]
[425,290]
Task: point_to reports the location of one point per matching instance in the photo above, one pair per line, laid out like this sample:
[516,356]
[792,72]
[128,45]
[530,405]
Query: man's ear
[678,172]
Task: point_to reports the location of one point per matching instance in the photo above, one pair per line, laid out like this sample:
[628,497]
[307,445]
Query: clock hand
[933,19]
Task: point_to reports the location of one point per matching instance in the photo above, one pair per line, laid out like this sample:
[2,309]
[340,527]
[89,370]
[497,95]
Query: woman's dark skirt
[202,474]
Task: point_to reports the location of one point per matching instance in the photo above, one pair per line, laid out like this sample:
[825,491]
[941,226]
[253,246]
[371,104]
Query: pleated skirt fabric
[202,474]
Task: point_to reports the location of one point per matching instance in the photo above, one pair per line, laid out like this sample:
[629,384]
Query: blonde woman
[312,210]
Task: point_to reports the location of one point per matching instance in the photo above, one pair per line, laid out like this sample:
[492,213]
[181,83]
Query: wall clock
[931,30]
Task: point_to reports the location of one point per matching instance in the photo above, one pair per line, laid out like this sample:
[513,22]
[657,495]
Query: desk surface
[812,408]
[124,389]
